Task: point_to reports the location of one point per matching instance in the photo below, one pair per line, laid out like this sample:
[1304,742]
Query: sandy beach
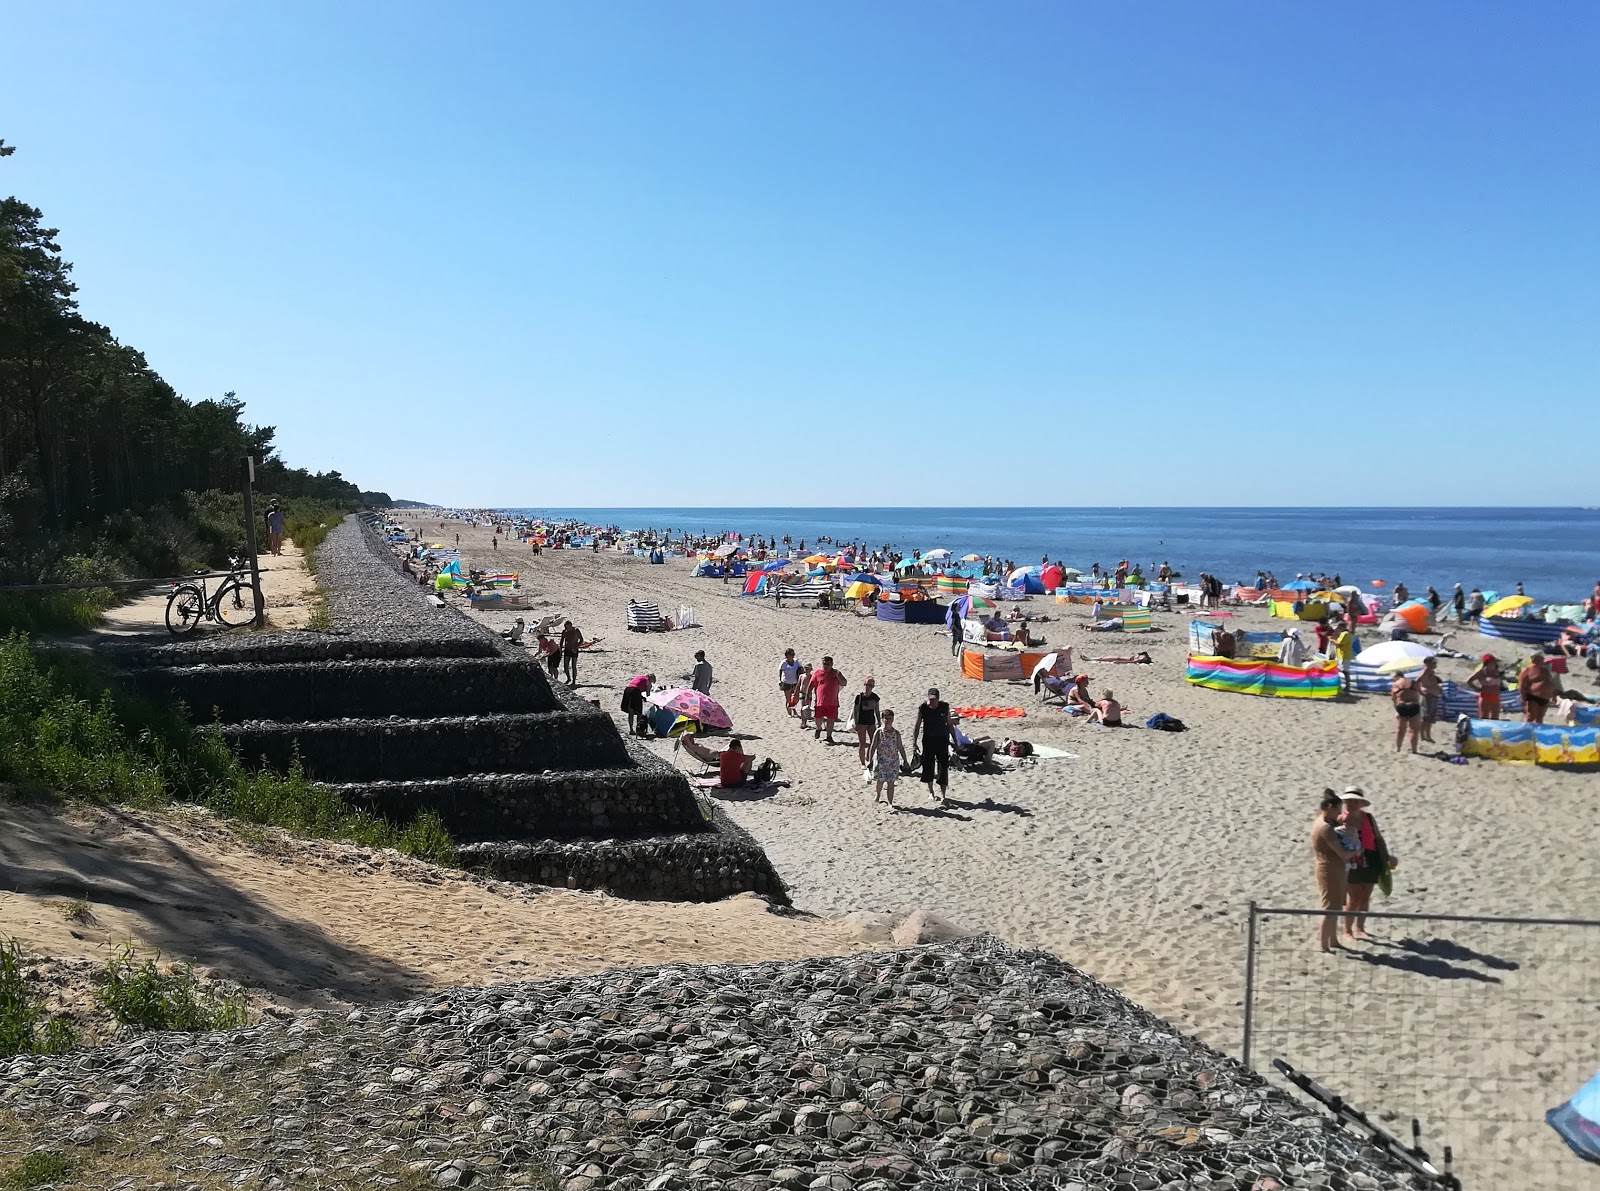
[1136,857]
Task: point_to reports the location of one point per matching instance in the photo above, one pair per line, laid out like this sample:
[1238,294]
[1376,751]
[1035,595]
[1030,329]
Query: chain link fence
[1473,1026]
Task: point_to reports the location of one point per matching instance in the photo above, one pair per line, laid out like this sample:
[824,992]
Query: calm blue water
[1552,551]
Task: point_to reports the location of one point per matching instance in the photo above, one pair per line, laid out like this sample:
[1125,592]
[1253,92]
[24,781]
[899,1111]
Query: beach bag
[1162,722]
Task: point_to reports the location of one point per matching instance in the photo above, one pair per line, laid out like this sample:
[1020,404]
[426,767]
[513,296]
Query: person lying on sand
[983,748]
[1138,659]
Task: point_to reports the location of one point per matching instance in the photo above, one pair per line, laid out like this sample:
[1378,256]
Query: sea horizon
[1545,547]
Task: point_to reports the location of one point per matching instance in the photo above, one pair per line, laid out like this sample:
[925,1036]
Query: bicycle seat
[202,571]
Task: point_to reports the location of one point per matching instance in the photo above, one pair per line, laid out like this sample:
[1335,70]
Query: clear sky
[831,253]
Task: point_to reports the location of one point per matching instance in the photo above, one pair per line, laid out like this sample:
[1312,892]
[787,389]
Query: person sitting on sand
[1078,693]
[1225,644]
[733,765]
[1291,652]
[1107,711]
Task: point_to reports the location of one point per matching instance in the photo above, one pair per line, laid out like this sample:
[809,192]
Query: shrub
[42,1168]
[23,1028]
[142,995]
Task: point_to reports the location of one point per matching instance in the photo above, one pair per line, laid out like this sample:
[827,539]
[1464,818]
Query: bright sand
[1136,858]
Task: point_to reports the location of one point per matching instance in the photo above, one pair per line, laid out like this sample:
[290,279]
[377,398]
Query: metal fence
[1474,1026]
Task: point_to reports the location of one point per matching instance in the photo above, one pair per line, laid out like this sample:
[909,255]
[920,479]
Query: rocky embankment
[961,1064]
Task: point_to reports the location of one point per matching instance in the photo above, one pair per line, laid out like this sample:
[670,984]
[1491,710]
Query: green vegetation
[142,995]
[106,472]
[66,731]
[38,1169]
[23,1028]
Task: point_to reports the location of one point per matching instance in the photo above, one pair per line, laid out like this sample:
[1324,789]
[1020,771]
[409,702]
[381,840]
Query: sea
[1553,552]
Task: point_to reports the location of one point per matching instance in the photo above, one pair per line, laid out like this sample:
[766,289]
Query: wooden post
[250,540]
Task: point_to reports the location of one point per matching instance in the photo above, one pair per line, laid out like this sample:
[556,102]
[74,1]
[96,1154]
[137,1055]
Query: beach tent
[1026,582]
[1052,577]
[1317,680]
[1414,615]
[1533,744]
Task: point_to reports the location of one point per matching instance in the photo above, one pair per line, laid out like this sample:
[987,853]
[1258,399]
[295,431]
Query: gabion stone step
[574,804]
[702,866]
[365,689]
[215,649]
[364,750]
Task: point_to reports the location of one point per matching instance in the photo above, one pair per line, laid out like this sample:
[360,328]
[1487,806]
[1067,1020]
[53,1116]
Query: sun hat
[1356,794]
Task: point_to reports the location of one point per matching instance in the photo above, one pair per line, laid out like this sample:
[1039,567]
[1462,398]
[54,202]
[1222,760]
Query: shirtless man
[1537,686]
[1432,688]
[1108,712]
[571,642]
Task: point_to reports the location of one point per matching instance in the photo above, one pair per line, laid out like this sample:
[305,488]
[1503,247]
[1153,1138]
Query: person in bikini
[1431,688]
[1487,682]
[1537,686]
[1407,700]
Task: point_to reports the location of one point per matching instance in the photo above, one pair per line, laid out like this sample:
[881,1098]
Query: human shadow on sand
[1449,949]
[989,804]
[1421,965]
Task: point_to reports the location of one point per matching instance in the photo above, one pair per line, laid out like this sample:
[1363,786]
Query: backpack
[1162,722]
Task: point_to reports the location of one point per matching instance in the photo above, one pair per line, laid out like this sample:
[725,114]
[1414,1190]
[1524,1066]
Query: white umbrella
[1401,665]
[1053,663]
[1024,571]
[1388,651]
[939,553]
[1348,589]
[724,551]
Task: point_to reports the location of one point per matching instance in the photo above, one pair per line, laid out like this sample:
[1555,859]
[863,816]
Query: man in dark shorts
[1537,686]
[931,735]
[571,642]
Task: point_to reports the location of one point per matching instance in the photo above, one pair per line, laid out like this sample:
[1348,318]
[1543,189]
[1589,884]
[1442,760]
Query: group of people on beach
[1349,859]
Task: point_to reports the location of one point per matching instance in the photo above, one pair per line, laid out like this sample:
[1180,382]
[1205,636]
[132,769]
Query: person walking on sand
[931,736]
[789,674]
[1329,858]
[1360,830]
[1407,700]
[571,642]
[274,528]
[1537,686]
[888,753]
[808,696]
[864,715]
[957,632]
[825,685]
[700,680]
[1487,682]
[1458,601]
[1431,688]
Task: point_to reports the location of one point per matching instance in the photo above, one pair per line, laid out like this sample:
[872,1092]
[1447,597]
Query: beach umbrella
[1072,572]
[1053,663]
[1020,571]
[933,554]
[1386,651]
[1400,665]
[777,564]
[1300,585]
[816,560]
[857,590]
[724,551]
[691,704]
[972,558]
[1510,604]
[977,604]
[863,577]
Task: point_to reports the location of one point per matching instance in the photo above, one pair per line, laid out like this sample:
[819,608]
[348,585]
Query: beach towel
[989,713]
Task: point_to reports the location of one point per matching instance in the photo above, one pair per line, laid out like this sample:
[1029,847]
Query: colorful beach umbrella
[1509,604]
[973,605]
[863,577]
[972,558]
[691,704]
[1300,585]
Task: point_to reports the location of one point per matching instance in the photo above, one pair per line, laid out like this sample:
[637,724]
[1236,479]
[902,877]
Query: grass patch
[66,731]
[38,1169]
[77,910]
[142,995]
[24,1029]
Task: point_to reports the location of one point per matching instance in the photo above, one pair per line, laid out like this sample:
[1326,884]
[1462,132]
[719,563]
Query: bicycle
[232,605]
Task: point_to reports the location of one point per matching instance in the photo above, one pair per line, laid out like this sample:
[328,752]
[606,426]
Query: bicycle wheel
[185,608]
[236,603]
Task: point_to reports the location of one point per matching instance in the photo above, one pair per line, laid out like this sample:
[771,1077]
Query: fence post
[1249,984]
[250,539]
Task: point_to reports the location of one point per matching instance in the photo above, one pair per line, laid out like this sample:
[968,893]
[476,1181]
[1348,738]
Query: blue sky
[846,253]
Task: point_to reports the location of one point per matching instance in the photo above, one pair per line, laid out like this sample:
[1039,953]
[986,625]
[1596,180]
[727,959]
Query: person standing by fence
[1361,829]
[1329,858]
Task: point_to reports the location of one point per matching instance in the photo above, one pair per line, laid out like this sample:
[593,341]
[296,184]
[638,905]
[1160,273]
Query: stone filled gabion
[965,1064]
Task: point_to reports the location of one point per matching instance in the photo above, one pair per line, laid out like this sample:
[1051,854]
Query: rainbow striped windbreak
[1318,680]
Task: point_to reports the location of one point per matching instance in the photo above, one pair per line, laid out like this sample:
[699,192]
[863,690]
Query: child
[807,696]
[888,753]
